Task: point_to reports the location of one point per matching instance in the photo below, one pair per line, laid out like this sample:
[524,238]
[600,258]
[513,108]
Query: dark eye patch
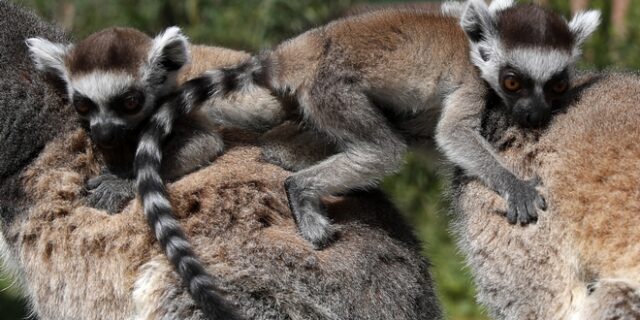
[559,78]
[83,105]
[128,103]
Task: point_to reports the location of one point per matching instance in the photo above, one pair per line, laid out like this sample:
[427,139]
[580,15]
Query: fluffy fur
[75,262]
[104,73]
[374,84]
[581,260]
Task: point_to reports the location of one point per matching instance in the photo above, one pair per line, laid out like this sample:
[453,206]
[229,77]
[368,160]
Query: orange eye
[511,83]
[560,86]
[82,107]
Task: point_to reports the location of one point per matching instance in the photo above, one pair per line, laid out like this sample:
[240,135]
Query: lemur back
[377,82]
[115,79]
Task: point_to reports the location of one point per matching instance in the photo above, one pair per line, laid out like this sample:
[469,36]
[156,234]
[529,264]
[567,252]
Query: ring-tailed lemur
[115,79]
[375,82]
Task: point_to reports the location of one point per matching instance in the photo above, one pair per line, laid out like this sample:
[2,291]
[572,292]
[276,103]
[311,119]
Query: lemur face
[114,77]
[529,68]
[110,106]
[529,99]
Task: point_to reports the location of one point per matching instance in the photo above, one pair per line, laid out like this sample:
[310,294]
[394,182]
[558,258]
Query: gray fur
[580,260]
[115,132]
[76,263]
[375,98]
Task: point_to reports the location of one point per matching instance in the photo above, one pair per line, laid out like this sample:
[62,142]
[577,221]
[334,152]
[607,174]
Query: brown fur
[551,30]
[204,58]
[79,261]
[100,52]
[581,258]
[380,44]
[76,262]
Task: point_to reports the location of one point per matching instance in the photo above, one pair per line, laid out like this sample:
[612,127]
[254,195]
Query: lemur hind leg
[369,150]
[194,144]
[294,148]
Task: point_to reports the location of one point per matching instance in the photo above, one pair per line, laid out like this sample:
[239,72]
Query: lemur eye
[511,83]
[132,103]
[82,106]
[560,86]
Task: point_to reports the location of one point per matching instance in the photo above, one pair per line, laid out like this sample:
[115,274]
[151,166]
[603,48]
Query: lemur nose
[104,137]
[537,118]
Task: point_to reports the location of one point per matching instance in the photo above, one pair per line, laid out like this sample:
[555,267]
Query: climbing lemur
[376,82]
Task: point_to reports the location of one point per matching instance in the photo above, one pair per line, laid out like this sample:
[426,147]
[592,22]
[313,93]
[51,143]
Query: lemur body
[377,82]
[115,79]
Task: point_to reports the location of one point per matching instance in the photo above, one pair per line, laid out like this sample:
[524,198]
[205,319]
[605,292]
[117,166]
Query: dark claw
[109,192]
[524,201]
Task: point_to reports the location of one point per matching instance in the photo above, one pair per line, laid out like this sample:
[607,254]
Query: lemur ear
[169,51]
[477,21]
[583,25]
[48,56]
[499,5]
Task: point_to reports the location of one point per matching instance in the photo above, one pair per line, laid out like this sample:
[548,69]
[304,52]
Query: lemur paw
[310,217]
[109,192]
[523,200]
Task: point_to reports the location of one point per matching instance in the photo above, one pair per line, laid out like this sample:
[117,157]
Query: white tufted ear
[477,21]
[499,5]
[583,25]
[48,56]
[168,54]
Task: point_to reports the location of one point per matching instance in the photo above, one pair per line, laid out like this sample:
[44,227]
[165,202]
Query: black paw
[523,201]
[310,216]
[109,192]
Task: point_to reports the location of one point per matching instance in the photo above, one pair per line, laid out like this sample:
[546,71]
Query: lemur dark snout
[106,134]
[532,112]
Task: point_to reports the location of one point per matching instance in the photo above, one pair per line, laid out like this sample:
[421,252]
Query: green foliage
[255,24]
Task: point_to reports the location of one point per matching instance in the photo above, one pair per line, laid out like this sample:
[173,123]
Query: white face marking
[101,86]
[538,63]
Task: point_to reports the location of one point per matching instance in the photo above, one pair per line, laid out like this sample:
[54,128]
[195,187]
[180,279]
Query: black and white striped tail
[153,194]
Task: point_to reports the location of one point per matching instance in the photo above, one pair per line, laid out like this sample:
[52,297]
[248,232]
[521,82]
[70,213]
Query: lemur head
[526,54]
[114,77]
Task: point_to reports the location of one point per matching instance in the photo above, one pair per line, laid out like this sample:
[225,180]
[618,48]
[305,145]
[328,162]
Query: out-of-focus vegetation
[255,24]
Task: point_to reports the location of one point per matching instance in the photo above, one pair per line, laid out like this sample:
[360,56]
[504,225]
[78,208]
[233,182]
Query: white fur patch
[159,50]
[453,8]
[149,147]
[583,25]
[149,288]
[160,42]
[538,63]
[101,86]
[48,56]
[156,199]
[500,5]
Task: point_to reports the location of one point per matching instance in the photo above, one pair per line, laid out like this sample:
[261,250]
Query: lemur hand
[109,192]
[523,200]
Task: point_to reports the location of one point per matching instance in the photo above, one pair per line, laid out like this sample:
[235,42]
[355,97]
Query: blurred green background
[255,24]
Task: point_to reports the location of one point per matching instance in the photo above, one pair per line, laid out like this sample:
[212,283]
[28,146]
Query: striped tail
[158,210]
[153,194]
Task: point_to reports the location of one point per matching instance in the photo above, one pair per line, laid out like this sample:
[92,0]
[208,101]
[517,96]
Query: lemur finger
[532,212]
[512,214]
[541,203]
[523,213]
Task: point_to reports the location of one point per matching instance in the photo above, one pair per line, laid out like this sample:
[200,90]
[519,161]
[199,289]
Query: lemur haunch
[375,82]
[115,79]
